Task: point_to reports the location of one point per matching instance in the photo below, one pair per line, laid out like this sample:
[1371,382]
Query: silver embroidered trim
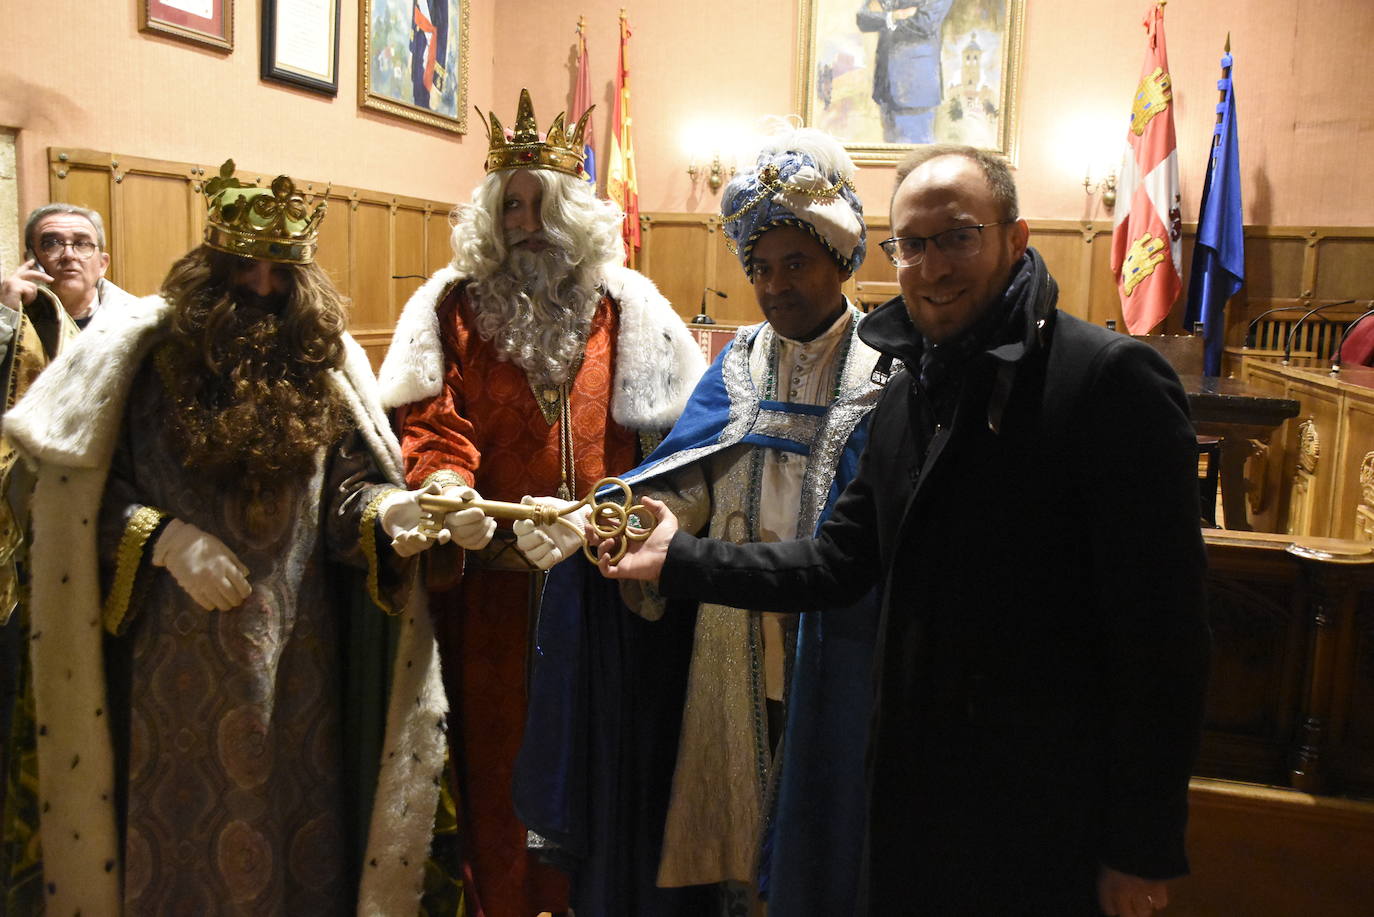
[828,433]
[744,407]
[799,428]
[858,395]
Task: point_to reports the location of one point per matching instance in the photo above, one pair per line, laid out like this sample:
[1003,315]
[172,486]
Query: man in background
[48,299]
[66,257]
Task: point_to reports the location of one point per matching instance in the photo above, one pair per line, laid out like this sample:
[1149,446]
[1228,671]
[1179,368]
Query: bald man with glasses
[1027,507]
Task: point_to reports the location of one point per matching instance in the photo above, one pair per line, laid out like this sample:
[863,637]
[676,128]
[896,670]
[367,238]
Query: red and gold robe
[485,425]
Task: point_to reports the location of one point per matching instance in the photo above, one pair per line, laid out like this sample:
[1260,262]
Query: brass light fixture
[715,175]
[1106,187]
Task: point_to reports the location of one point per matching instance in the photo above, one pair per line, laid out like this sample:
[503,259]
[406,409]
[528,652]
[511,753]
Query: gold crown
[559,150]
[272,223]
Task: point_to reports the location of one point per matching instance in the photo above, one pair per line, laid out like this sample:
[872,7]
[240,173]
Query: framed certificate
[300,43]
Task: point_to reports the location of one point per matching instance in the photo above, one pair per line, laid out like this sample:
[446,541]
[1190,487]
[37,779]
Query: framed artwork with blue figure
[413,60]
[885,75]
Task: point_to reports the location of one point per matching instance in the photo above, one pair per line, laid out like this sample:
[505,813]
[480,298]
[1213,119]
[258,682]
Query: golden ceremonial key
[624,520]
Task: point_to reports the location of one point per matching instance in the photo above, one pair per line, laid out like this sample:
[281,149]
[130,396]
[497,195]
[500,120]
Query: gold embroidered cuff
[445,477]
[367,530]
[128,560]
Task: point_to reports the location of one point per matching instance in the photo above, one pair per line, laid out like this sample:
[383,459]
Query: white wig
[574,219]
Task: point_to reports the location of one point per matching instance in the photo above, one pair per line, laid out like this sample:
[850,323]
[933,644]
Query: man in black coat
[1028,504]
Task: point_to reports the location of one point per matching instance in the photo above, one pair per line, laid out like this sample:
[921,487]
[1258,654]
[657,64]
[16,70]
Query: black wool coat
[1043,646]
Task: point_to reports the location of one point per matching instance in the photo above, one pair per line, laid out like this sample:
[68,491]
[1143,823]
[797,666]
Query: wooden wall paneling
[371,258]
[674,255]
[438,230]
[877,268]
[408,255]
[82,177]
[1343,258]
[1274,263]
[333,251]
[1102,293]
[1065,246]
[741,306]
[153,208]
[875,282]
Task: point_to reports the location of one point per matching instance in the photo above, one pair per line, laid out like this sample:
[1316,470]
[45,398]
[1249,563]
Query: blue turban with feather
[803,178]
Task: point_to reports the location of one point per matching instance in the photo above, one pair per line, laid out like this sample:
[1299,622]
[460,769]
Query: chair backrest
[1183,351]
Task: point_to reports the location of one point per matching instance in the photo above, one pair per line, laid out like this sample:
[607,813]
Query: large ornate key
[624,520]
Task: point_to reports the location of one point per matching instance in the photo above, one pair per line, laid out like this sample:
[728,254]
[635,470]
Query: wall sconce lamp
[1106,187]
[715,176]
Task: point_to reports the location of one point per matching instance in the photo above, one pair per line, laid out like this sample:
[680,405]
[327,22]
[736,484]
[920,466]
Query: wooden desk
[1236,413]
[1322,477]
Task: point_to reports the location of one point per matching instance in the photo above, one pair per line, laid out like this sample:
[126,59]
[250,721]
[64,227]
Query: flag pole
[1221,93]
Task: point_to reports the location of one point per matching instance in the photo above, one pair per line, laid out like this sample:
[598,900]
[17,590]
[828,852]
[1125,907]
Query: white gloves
[469,529]
[403,519]
[201,564]
[412,531]
[546,545]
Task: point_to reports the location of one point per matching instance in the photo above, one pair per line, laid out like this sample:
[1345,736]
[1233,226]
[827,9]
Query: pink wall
[1306,110]
[78,73]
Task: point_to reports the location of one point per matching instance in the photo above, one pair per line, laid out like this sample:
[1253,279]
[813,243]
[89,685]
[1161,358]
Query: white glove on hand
[546,545]
[208,571]
[401,518]
[470,529]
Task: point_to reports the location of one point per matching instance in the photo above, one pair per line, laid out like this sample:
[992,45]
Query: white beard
[536,310]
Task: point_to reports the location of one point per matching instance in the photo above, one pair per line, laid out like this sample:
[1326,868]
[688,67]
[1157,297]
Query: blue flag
[1219,257]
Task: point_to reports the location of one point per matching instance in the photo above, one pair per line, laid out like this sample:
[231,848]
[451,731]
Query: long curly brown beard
[251,403]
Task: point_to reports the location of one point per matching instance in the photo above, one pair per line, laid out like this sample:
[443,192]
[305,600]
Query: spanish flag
[1147,239]
[622,185]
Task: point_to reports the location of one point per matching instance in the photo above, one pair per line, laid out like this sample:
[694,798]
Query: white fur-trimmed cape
[67,425]
[657,363]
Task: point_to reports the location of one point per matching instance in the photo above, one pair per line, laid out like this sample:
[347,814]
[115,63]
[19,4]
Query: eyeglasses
[958,243]
[81,248]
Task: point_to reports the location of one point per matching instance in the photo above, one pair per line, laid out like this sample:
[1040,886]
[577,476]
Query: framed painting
[204,22]
[413,60]
[300,43]
[885,75]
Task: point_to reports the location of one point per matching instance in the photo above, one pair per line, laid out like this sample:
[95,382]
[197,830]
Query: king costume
[468,415]
[668,778]
[282,757]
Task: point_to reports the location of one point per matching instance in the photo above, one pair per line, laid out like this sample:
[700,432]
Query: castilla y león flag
[1146,240]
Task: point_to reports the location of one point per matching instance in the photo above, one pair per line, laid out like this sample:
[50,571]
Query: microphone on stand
[1340,341]
[1250,328]
[703,318]
[1288,343]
